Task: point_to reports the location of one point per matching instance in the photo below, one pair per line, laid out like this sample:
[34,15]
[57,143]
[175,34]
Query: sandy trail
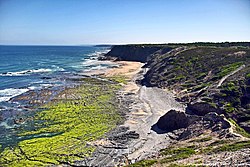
[153,103]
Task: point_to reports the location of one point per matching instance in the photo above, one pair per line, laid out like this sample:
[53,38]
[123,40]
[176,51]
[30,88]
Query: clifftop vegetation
[217,76]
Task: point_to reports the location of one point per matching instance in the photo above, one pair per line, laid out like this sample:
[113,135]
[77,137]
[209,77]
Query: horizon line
[146,43]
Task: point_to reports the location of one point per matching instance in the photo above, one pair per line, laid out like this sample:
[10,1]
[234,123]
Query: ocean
[30,68]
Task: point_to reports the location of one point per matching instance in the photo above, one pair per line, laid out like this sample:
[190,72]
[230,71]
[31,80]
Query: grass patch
[238,129]
[178,165]
[248,76]
[119,79]
[218,142]
[202,139]
[176,154]
[143,163]
[77,116]
[229,68]
[232,147]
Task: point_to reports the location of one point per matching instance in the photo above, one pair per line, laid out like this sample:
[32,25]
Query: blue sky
[74,22]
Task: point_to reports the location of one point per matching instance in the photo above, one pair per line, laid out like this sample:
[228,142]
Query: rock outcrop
[183,126]
[202,108]
[173,120]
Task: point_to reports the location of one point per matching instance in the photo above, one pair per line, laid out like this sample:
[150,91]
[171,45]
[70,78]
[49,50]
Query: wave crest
[28,72]
[7,94]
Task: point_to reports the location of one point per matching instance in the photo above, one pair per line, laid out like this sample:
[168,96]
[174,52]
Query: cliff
[141,53]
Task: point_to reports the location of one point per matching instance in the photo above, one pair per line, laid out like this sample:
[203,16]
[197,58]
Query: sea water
[27,68]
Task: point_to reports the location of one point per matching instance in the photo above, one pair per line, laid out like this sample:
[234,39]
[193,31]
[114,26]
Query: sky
[79,22]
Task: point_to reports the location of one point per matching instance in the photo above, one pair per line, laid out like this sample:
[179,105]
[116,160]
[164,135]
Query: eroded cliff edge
[141,53]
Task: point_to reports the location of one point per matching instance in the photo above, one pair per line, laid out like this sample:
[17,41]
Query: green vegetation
[239,129]
[118,79]
[218,142]
[194,74]
[64,129]
[176,154]
[232,147]
[202,139]
[170,155]
[229,68]
[143,163]
[199,44]
[178,165]
[248,76]
[229,108]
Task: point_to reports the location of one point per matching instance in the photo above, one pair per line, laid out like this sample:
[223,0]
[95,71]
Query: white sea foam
[28,72]
[4,124]
[57,68]
[98,67]
[32,88]
[7,94]
[91,61]
[98,53]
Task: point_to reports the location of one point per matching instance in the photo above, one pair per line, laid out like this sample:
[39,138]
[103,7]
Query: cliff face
[139,53]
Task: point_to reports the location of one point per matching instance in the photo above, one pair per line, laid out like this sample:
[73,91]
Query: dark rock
[202,108]
[182,126]
[139,53]
[213,121]
[245,126]
[172,136]
[45,77]
[193,130]
[118,146]
[124,137]
[173,120]
[218,120]
[107,58]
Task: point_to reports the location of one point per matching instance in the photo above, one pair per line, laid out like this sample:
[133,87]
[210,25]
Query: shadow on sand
[157,129]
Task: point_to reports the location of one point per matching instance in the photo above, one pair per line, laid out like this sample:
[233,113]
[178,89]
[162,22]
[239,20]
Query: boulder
[173,120]
[202,108]
[217,121]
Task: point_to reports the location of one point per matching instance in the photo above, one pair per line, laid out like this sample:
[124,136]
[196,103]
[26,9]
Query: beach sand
[125,68]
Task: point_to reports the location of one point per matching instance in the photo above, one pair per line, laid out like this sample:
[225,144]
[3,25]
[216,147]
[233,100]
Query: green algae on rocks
[64,128]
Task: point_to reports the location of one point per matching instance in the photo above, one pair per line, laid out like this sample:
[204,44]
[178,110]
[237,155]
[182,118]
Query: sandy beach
[124,68]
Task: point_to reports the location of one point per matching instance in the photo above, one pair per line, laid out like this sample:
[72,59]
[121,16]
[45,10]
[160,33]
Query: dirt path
[152,104]
[231,73]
